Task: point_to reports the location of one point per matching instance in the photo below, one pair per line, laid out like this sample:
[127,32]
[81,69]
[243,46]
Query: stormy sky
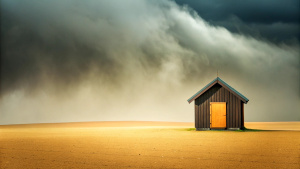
[111,60]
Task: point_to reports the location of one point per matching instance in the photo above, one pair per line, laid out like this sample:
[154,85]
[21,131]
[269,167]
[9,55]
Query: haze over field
[64,61]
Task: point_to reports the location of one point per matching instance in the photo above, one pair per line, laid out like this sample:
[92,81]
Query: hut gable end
[223,84]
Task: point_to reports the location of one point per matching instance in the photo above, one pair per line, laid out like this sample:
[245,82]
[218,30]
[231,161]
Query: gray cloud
[139,60]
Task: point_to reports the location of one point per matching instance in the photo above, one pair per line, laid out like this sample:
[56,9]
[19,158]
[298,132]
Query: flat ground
[148,145]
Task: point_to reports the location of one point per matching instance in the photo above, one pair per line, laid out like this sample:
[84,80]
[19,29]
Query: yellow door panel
[218,114]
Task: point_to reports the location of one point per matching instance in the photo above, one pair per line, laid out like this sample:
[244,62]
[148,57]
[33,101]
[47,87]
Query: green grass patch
[189,129]
[221,130]
[244,129]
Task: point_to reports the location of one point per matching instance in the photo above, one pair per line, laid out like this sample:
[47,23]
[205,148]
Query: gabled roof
[222,83]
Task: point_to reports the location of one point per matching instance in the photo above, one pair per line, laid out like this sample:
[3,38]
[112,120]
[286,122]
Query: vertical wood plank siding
[196,114]
[217,93]
[243,122]
[204,114]
[227,107]
[201,114]
[233,112]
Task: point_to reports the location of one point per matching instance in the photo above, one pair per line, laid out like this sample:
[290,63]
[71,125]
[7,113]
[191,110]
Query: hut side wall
[217,93]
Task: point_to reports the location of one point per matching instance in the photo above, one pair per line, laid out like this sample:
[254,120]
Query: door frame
[210,112]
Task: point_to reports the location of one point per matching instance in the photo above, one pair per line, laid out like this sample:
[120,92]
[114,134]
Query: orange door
[217,114]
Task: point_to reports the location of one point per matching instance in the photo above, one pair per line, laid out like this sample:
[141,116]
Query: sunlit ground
[148,145]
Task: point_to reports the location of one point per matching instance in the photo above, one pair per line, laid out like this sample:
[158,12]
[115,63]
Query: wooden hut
[218,106]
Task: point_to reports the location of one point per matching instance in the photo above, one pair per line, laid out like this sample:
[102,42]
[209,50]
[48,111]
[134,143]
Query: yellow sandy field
[148,145]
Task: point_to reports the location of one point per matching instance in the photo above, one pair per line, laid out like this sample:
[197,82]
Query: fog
[67,61]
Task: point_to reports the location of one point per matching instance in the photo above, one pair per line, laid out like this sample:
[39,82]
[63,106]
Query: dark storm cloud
[262,19]
[264,11]
[42,38]
[110,60]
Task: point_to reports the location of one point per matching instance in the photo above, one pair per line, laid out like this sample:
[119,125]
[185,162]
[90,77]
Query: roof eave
[202,91]
[235,92]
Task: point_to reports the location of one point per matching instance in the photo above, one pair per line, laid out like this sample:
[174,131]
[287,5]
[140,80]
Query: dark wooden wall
[217,93]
